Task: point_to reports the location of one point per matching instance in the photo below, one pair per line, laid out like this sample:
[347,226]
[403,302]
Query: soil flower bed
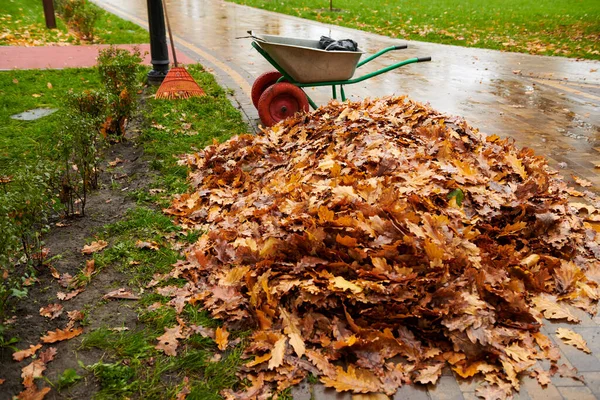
[373,243]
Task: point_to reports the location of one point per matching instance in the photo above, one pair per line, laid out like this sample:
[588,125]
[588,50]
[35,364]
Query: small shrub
[118,69]
[79,146]
[79,15]
[26,203]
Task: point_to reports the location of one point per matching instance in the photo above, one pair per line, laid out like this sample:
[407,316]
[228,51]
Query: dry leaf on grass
[122,293]
[90,267]
[51,310]
[94,247]
[168,342]
[221,337]
[48,355]
[61,334]
[572,338]
[146,245]
[23,354]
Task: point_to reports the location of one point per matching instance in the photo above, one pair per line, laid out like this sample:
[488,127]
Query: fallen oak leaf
[168,342]
[33,393]
[572,338]
[491,392]
[51,311]
[581,182]
[293,333]
[32,371]
[23,354]
[68,296]
[548,306]
[121,293]
[48,355]
[277,353]
[90,267]
[61,334]
[543,377]
[94,247]
[357,380]
[429,374]
[146,245]
[115,162]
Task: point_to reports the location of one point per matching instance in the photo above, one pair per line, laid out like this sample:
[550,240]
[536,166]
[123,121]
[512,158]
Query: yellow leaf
[340,283]
[259,359]
[357,380]
[547,305]
[221,337]
[293,333]
[516,165]
[572,338]
[277,353]
[429,374]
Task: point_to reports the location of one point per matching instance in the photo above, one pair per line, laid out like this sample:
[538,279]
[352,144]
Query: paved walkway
[58,57]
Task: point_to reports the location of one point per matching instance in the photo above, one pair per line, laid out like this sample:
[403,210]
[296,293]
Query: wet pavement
[550,104]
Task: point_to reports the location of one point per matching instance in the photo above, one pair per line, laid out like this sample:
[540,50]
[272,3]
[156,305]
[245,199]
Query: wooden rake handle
[164,3]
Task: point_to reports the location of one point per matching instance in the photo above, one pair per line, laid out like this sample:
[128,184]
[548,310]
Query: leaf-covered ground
[373,243]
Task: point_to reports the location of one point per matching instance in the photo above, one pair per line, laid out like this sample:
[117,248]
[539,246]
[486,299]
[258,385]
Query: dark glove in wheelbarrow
[329,44]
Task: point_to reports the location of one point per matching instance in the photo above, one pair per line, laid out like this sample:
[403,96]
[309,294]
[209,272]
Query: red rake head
[179,84]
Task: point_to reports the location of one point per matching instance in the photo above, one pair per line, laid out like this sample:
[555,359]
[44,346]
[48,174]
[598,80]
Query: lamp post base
[155,77]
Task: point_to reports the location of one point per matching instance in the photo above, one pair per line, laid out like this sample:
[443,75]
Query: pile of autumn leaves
[378,230]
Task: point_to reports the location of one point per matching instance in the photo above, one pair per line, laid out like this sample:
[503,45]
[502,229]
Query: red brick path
[58,57]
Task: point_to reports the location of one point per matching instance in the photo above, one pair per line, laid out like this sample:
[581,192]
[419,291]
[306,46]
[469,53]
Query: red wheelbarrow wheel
[280,101]
[262,83]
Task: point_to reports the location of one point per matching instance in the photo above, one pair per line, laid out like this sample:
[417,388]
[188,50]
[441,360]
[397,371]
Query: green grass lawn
[25,90]
[567,28]
[22,23]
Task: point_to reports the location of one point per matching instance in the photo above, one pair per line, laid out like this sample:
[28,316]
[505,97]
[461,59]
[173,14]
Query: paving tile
[302,391]
[320,392]
[411,392]
[592,382]
[534,391]
[446,389]
[468,385]
[576,393]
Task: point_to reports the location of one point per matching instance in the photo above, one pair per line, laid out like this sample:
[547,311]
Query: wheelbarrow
[300,63]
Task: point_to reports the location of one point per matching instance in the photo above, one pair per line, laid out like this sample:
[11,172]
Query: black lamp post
[158,42]
[49,14]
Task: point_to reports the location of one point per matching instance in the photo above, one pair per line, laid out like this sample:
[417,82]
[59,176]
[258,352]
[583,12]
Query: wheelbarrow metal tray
[305,62]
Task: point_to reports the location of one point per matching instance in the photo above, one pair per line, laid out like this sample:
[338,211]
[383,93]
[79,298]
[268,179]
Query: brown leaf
[34,370]
[90,266]
[221,337]
[48,355]
[572,338]
[51,310]
[61,334]
[168,341]
[121,293]
[491,392]
[94,247]
[33,393]
[23,354]
[581,182]
[70,295]
[543,377]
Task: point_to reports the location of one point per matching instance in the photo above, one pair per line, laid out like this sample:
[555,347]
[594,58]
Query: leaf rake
[178,84]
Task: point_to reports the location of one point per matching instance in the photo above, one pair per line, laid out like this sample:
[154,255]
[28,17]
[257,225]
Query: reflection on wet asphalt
[550,104]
